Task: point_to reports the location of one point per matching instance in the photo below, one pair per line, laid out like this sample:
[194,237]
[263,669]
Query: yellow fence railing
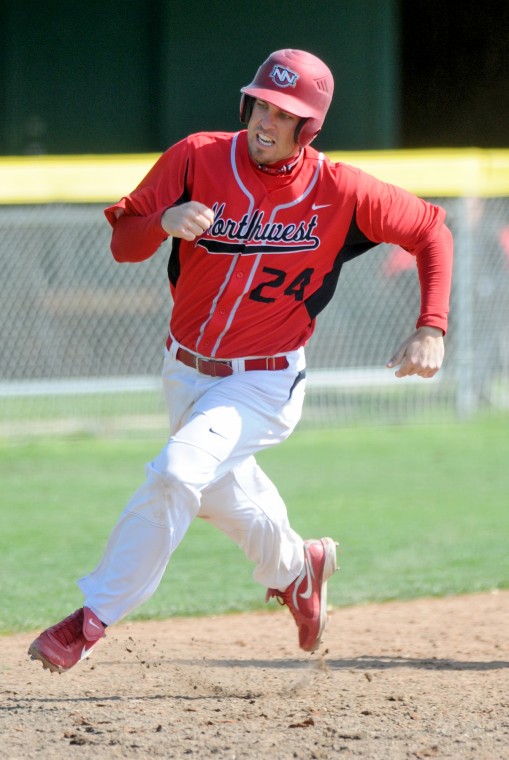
[105,178]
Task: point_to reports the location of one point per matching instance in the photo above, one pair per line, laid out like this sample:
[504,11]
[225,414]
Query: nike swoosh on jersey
[316,206]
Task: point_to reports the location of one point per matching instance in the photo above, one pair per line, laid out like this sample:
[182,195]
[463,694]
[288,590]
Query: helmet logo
[283,77]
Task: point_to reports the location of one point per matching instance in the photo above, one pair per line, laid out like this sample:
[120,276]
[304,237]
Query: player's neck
[280,168]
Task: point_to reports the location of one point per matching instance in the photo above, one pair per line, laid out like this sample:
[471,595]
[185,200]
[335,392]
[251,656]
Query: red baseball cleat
[306,597]
[66,643]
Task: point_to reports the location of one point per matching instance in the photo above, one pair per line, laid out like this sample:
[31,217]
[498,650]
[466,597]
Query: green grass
[86,406]
[418,510]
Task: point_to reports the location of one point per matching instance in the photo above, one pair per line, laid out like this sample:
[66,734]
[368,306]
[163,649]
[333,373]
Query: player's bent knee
[181,464]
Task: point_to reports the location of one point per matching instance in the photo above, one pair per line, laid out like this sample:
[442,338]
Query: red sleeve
[136,218]
[434,264]
[389,214]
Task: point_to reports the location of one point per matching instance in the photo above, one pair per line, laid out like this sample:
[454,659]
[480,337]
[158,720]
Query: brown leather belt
[223,367]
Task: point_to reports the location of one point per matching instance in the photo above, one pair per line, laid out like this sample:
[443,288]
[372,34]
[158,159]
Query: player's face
[271,133]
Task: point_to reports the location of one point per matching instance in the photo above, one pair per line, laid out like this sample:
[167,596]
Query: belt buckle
[213,367]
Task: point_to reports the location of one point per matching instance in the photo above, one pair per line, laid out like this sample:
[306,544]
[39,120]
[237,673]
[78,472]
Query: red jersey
[255,281]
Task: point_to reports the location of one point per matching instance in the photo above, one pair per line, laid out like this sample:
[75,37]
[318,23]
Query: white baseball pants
[207,469]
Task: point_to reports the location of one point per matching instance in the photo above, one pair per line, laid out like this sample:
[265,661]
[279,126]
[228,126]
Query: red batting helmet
[297,82]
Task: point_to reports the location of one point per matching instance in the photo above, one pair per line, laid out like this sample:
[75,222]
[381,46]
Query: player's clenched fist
[188,220]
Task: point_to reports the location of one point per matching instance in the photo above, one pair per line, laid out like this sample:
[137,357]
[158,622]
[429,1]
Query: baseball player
[260,226]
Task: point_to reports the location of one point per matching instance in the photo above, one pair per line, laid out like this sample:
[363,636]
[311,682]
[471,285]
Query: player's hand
[422,353]
[187,221]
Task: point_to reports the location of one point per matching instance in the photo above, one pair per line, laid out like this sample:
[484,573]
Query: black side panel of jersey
[174,260]
[354,245]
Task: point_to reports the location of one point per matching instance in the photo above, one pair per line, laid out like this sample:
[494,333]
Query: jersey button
[222,311]
[240,275]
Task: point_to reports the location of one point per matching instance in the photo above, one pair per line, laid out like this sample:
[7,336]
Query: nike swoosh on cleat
[309,573]
[94,624]
[86,652]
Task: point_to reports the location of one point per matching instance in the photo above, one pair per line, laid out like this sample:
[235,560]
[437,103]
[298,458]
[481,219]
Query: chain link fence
[83,336]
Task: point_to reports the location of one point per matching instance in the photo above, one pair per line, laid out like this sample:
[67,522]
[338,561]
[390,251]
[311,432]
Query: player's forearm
[434,264]
[136,238]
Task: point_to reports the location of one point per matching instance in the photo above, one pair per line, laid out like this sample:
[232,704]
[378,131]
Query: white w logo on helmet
[283,76]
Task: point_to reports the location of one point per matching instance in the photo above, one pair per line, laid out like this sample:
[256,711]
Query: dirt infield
[425,679]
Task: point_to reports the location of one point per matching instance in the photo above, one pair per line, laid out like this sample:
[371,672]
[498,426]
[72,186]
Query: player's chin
[261,153]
